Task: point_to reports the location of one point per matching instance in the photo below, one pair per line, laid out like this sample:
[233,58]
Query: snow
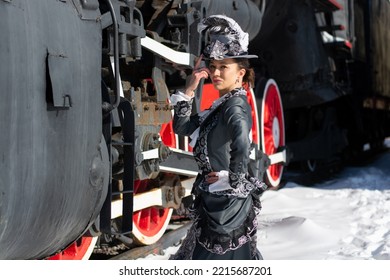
[346,218]
[327,231]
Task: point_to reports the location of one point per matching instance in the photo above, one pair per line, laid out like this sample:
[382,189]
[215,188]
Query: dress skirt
[224,228]
[243,253]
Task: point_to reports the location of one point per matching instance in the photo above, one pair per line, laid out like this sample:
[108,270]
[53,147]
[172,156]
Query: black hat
[226,38]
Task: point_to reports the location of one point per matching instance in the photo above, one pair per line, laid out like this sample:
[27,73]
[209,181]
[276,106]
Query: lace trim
[243,185]
[200,151]
[253,246]
[183,108]
[235,243]
[212,241]
[186,249]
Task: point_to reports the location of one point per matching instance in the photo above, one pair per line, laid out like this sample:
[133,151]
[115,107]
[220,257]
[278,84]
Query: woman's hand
[196,76]
[212,177]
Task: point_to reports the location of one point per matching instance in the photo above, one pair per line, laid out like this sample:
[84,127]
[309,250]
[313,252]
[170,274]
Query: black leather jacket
[228,142]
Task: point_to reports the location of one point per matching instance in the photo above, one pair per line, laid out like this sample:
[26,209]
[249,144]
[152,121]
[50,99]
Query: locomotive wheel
[149,224]
[79,250]
[255,123]
[272,129]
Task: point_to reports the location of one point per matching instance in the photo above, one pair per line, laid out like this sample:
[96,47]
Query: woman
[226,197]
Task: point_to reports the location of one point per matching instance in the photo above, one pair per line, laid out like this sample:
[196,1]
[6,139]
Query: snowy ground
[347,218]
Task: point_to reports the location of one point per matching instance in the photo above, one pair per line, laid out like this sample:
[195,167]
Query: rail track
[170,238]
[122,251]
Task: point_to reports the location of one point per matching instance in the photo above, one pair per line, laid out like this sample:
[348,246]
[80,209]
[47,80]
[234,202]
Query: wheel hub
[276,132]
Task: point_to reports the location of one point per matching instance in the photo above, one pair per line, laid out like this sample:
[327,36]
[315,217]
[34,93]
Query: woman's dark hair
[249,77]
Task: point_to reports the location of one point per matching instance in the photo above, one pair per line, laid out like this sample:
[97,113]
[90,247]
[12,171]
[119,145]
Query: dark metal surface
[182,163]
[292,50]
[372,48]
[245,12]
[53,167]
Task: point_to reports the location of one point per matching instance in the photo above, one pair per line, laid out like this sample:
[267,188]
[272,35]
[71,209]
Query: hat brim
[237,56]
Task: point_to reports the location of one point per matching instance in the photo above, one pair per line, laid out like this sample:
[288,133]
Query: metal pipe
[116,55]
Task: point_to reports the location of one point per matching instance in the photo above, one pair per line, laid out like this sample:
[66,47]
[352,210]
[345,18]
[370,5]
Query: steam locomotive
[87,147]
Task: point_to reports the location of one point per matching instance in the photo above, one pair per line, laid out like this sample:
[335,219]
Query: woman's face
[224,75]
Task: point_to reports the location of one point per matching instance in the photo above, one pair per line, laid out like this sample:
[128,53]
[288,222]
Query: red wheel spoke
[155,216]
[146,218]
[78,250]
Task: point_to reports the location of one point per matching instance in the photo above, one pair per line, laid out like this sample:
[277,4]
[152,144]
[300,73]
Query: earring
[237,81]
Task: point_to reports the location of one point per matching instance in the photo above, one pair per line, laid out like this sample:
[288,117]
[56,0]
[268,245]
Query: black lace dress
[224,221]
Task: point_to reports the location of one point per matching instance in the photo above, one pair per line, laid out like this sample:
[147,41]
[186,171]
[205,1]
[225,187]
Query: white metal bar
[150,154]
[278,157]
[166,52]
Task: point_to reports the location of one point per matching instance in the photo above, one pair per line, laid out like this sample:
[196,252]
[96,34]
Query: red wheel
[255,124]
[150,224]
[271,127]
[168,137]
[78,250]
[209,94]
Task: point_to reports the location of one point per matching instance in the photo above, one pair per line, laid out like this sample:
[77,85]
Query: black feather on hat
[226,38]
